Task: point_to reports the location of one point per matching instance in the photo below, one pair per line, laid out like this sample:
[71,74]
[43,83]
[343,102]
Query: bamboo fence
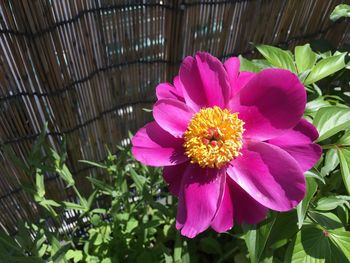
[88,67]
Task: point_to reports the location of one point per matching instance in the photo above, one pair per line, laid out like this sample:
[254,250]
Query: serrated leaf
[325,68]
[311,188]
[277,57]
[305,58]
[331,120]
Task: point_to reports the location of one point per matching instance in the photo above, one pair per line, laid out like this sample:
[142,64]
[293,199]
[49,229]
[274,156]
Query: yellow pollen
[213,137]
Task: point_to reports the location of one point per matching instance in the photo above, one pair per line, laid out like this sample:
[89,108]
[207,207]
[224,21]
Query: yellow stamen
[214,137]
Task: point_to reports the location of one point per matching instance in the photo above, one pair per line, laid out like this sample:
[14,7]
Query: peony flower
[233,144]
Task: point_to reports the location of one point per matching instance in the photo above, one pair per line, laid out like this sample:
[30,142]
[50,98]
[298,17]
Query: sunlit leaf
[277,57]
[326,67]
[311,187]
[344,158]
[340,11]
[330,120]
[257,236]
[305,58]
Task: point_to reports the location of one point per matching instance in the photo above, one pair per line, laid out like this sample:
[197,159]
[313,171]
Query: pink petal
[232,68]
[306,155]
[205,81]
[269,175]
[167,91]
[298,142]
[152,145]
[178,86]
[173,176]
[272,102]
[304,132]
[172,115]
[223,220]
[242,80]
[246,209]
[200,197]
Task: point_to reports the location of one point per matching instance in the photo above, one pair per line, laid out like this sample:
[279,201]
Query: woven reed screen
[88,67]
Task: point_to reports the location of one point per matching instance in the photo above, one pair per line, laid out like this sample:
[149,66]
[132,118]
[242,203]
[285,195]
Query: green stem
[77,193]
[332,146]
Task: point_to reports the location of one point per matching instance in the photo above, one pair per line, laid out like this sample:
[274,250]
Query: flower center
[213,137]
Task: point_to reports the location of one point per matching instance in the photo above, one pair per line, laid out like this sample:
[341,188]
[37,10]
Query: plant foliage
[129,215]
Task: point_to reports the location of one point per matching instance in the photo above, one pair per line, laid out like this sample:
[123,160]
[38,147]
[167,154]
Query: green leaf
[74,206]
[315,174]
[60,254]
[316,104]
[280,234]
[256,238]
[342,240]
[329,203]
[327,220]
[101,185]
[311,188]
[246,65]
[345,139]
[314,245]
[76,255]
[326,67]
[277,57]
[99,165]
[340,11]
[330,120]
[92,259]
[66,175]
[50,203]
[305,58]
[139,180]
[62,169]
[40,186]
[131,225]
[177,248]
[331,162]
[344,158]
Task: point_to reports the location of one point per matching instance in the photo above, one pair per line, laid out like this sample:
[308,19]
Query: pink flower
[233,144]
